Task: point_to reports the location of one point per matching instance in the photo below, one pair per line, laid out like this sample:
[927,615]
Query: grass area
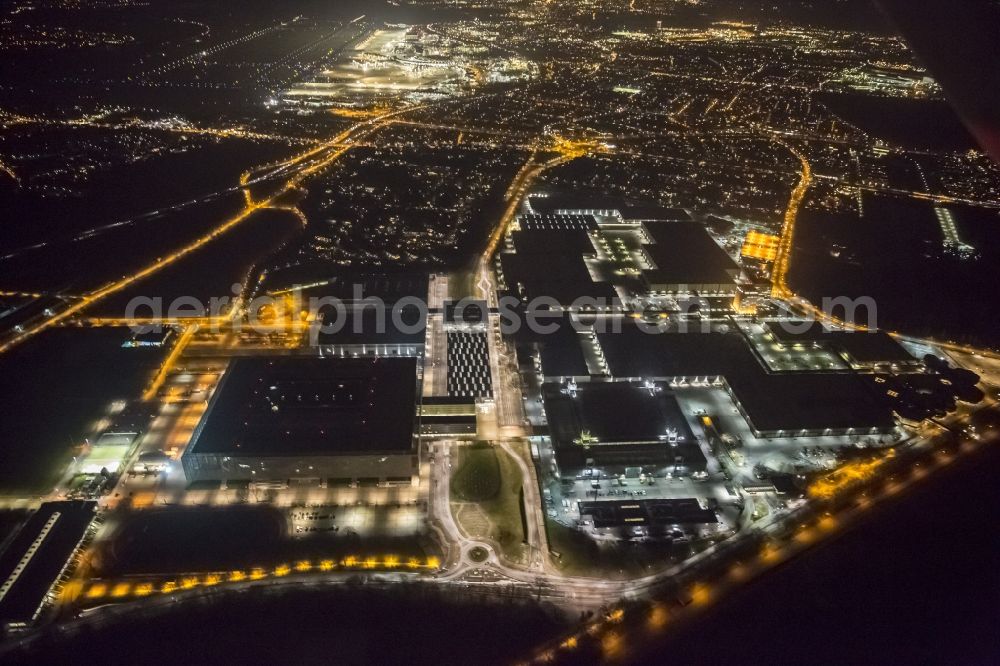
[462,284]
[79,481]
[760,509]
[498,515]
[477,478]
[350,624]
[580,555]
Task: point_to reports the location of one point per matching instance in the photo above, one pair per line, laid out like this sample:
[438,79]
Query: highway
[779,274]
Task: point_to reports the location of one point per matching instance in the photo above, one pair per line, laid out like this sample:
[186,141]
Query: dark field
[344,625]
[894,254]
[78,178]
[55,387]
[478,475]
[916,583]
[919,124]
[10,522]
[211,270]
[177,540]
[84,265]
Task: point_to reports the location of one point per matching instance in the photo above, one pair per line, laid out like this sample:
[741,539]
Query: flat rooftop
[629,424]
[560,351]
[476,312]
[861,346]
[656,512]
[684,253]
[544,242]
[26,575]
[390,287]
[788,401]
[553,222]
[375,325]
[877,347]
[630,210]
[793,401]
[633,352]
[614,412]
[292,406]
[564,277]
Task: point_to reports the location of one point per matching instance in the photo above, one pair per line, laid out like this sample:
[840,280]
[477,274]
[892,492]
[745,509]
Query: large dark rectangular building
[293,418]
[687,260]
[619,425]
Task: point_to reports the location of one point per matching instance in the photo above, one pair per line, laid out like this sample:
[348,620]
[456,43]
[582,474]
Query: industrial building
[310,420]
[372,314]
[655,517]
[862,350]
[598,256]
[448,416]
[373,330]
[774,404]
[610,429]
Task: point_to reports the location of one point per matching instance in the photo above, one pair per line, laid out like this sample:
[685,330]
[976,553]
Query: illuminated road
[575,592]
[310,162]
[10,172]
[779,274]
[171,359]
[619,628]
[519,187]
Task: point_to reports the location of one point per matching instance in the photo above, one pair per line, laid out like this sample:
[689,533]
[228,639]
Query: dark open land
[909,123]
[345,625]
[914,583]
[83,265]
[894,254]
[55,387]
[10,522]
[212,270]
[79,177]
[177,540]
